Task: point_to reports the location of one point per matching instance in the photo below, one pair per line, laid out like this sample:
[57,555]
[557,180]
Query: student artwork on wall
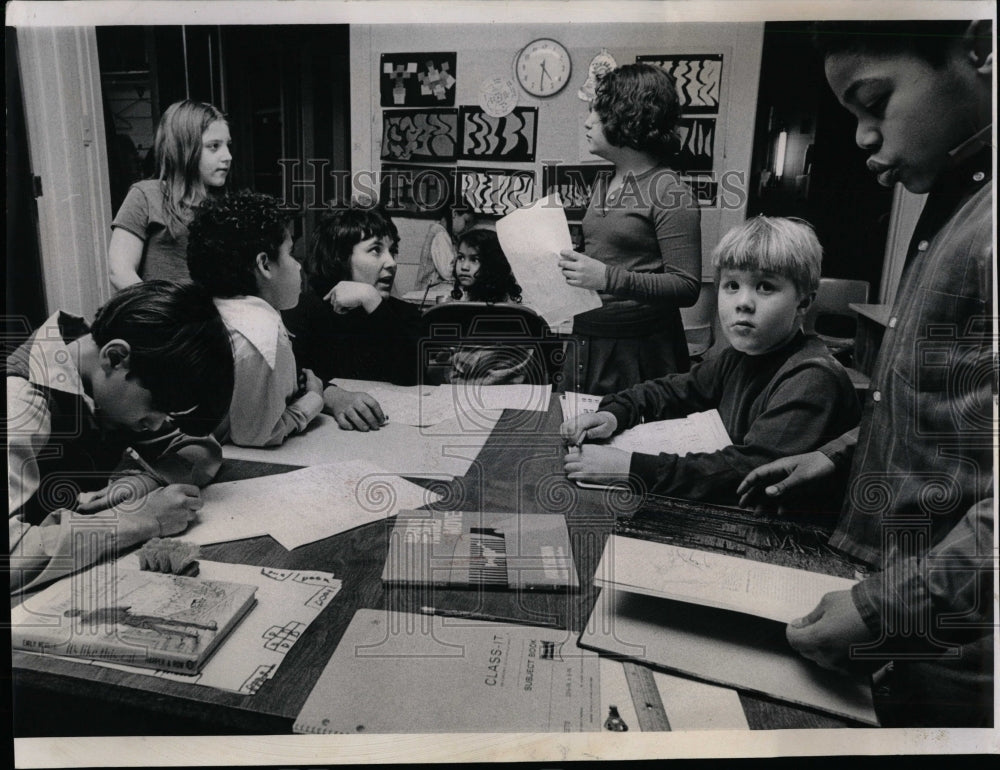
[416,191]
[697,143]
[496,191]
[698,77]
[417,79]
[574,185]
[507,138]
[419,135]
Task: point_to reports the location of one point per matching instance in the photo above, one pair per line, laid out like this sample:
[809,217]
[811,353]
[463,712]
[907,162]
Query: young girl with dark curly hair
[481,271]
[482,274]
[642,235]
[150,232]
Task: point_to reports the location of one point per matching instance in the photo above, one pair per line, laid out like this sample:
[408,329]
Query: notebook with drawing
[480,550]
[133,617]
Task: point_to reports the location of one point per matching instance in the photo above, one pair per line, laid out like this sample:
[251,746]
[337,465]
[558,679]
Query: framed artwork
[495,191]
[417,191]
[419,135]
[417,79]
[697,145]
[698,78]
[510,137]
[574,185]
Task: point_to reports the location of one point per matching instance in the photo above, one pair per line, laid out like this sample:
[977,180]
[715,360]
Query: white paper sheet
[713,579]
[574,404]
[697,432]
[303,506]
[287,602]
[693,705]
[688,704]
[532,238]
[472,398]
[443,451]
[417,406]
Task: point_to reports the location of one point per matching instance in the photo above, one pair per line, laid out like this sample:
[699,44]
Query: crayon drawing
[698,77]
[419,135]
[416,191]
[510,138]
[496,191]
[574,184]
[697,144]
[417,79]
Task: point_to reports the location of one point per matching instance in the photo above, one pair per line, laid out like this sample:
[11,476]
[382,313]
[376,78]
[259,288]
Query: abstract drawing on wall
[416,191]
[419,135]
[704,187]
[495,191]
[417,79]
[698,77]
[574,185]
[510,138]
[697,142]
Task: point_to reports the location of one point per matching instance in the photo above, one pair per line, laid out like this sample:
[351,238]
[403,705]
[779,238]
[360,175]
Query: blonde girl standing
[149,234]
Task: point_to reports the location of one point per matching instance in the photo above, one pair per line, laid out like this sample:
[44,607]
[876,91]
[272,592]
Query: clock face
[543,67]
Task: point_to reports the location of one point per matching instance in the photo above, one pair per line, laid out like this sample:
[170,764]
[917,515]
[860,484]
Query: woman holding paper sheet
[642,234]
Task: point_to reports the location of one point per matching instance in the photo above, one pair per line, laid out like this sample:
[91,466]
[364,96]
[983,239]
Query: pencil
[466,615]
[146,467]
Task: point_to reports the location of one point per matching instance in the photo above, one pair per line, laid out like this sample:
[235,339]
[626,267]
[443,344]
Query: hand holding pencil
[591,426]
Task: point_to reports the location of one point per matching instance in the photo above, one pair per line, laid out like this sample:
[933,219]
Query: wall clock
[543,67]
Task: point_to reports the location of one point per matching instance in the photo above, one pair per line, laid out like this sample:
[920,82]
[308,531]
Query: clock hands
[545,74]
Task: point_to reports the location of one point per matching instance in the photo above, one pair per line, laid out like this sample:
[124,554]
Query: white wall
[486,51]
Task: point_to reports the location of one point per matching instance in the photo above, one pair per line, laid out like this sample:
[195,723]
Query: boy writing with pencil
[155,362]
[239,249]
[774,387]
[919,505]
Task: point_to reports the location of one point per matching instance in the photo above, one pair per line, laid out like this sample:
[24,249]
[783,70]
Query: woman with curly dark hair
[642,235]
[481,271]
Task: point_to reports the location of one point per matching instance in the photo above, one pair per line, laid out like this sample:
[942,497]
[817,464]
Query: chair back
[452,324]
[831,318]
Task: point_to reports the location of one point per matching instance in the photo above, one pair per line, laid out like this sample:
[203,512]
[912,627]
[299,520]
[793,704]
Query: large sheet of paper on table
[735,650]
[445,450]
[404,673]
[304,506]
[287,602]
[532,238]
[713,579]
[432,432]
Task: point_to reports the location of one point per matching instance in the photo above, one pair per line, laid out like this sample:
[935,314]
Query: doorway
[805,162]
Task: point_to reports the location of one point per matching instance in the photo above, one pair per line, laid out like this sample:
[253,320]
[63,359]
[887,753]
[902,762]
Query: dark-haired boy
[239,248]
[156,359]
[919,507]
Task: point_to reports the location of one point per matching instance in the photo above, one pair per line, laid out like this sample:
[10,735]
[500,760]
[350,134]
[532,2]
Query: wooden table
[519,468]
